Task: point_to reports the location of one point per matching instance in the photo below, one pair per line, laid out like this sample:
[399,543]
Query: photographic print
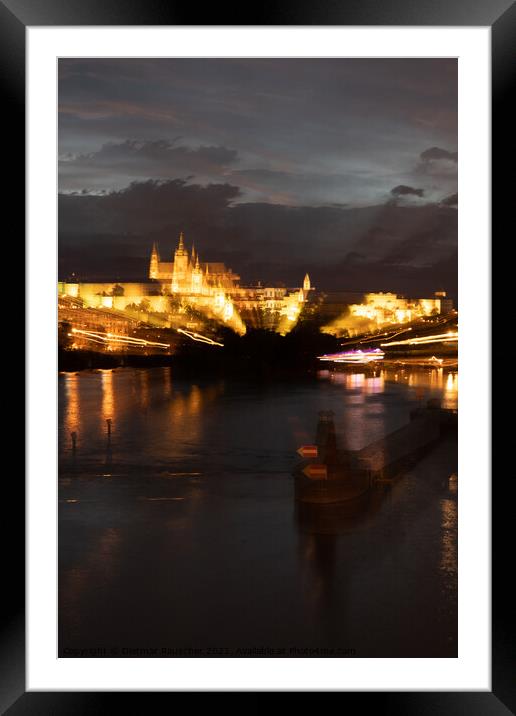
[257,349]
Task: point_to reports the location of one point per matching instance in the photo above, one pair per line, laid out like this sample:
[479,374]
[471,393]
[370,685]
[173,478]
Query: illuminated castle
[213,283]
[186,281]
[186,274]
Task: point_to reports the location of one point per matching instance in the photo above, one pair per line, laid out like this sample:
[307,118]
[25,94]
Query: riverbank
[258,354]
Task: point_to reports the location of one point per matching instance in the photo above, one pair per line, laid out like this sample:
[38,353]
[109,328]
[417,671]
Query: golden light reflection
[108,395]
[375,385]
[194,399]
[191,404]
[451,391]
[433,380]
[366,416]
[72,410]
[177,406]
[425,382]
[356,380]
[370,384]
[436,378]
[186,409]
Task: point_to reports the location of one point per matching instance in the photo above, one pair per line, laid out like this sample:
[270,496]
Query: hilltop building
[187,274]
[209,287]
[369,311]
[390,308]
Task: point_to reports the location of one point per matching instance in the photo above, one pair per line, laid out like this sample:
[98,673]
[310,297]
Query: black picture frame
[15,17]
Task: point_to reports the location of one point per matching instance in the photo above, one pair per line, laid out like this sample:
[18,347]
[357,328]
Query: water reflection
[177,407]
[108,396]
[363,419]
[72,412]
[318,553]
[451,391]
[340,518]
[426,382]
[375,384]
[129,415]
[194,400]
[198,499]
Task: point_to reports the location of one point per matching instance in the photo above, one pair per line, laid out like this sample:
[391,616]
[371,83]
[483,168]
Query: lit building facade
[187,274]
[379,309]
[382,308]
[210,287]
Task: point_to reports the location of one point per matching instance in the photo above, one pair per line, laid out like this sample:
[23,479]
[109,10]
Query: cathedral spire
[154,262]
[181,245]
[306,283]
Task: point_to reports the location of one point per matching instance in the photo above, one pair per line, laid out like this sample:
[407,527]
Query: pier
[338,476]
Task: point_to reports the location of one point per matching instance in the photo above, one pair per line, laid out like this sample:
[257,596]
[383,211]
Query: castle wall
[97,294]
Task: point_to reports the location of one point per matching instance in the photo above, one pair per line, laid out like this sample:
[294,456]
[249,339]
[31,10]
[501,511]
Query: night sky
[346,168]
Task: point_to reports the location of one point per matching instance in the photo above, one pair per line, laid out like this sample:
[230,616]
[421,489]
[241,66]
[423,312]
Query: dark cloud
[118,163]
[145,207]
[157,152]
[437,153]
[404,190]
[451,200]
[110,236]
[437,169]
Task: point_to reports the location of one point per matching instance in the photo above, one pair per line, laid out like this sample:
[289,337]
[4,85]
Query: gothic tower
[197,277]
[154,262]
[180,270]
[306,283]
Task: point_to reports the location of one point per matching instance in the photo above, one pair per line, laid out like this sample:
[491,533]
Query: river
[179,534]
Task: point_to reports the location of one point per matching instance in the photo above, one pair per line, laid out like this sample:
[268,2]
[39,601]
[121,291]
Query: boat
[358,356]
